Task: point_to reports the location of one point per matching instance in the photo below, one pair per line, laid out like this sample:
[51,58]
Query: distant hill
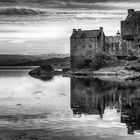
[33,60]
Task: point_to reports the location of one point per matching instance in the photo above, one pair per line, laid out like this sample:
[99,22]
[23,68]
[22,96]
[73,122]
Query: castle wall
[130,31]
[82,51]
[101,42]
[83,48]
[127,30]
[132,48]
[113,45]
[125,48]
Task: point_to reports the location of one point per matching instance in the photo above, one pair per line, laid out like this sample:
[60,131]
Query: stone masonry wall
[82,51]
[127,30]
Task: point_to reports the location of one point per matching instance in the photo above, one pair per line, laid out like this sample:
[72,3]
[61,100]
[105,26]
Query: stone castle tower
[83,45]
[130,31]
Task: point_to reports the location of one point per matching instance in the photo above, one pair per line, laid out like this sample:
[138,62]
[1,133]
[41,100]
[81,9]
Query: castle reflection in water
[91,96]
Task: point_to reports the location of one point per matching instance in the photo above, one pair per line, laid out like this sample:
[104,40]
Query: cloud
[69,4]
[48,1]
[19,11]
[38,26]
[62,3]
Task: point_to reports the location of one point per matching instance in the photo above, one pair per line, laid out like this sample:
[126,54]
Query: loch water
[77,108]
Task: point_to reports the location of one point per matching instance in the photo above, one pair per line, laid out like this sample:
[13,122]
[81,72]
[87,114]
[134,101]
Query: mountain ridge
[31,60]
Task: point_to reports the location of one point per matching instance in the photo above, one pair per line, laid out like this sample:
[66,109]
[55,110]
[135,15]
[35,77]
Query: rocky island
[44,72]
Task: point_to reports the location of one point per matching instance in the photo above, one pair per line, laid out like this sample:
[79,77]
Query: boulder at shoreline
[44,72]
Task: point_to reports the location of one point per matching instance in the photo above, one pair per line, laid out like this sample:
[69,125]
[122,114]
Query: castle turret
[102,39]
[101,28]
[118,33]
[131,12]
[79,30]
[74,30]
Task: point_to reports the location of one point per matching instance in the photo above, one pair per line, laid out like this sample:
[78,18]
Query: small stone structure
[84,44]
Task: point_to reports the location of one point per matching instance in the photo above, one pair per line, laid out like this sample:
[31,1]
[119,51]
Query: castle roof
[135,16]
[86,34]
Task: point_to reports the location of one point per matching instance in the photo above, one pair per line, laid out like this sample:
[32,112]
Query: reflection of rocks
[44,78]
[44,72]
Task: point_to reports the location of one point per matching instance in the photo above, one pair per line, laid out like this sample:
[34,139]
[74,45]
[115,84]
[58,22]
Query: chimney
[79,30]
[130,12]
[118,33]
[101,28]
[74,30]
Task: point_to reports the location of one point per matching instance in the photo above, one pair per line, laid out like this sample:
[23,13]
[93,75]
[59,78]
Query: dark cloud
[97,1]
[43,1]
[61,1]
[19,11]
[70,4]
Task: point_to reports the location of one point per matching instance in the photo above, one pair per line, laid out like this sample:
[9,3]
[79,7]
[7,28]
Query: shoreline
[118,73]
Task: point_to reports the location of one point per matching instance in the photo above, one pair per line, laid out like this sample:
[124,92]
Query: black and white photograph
[69,69]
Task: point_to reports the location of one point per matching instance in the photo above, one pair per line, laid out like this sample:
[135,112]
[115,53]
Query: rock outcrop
[44,72]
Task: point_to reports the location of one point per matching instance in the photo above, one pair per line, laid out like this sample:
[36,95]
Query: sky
[45,26]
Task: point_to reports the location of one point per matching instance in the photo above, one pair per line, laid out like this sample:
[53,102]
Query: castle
[85,43]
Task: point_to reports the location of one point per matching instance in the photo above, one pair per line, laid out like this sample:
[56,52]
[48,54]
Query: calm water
[67,108]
